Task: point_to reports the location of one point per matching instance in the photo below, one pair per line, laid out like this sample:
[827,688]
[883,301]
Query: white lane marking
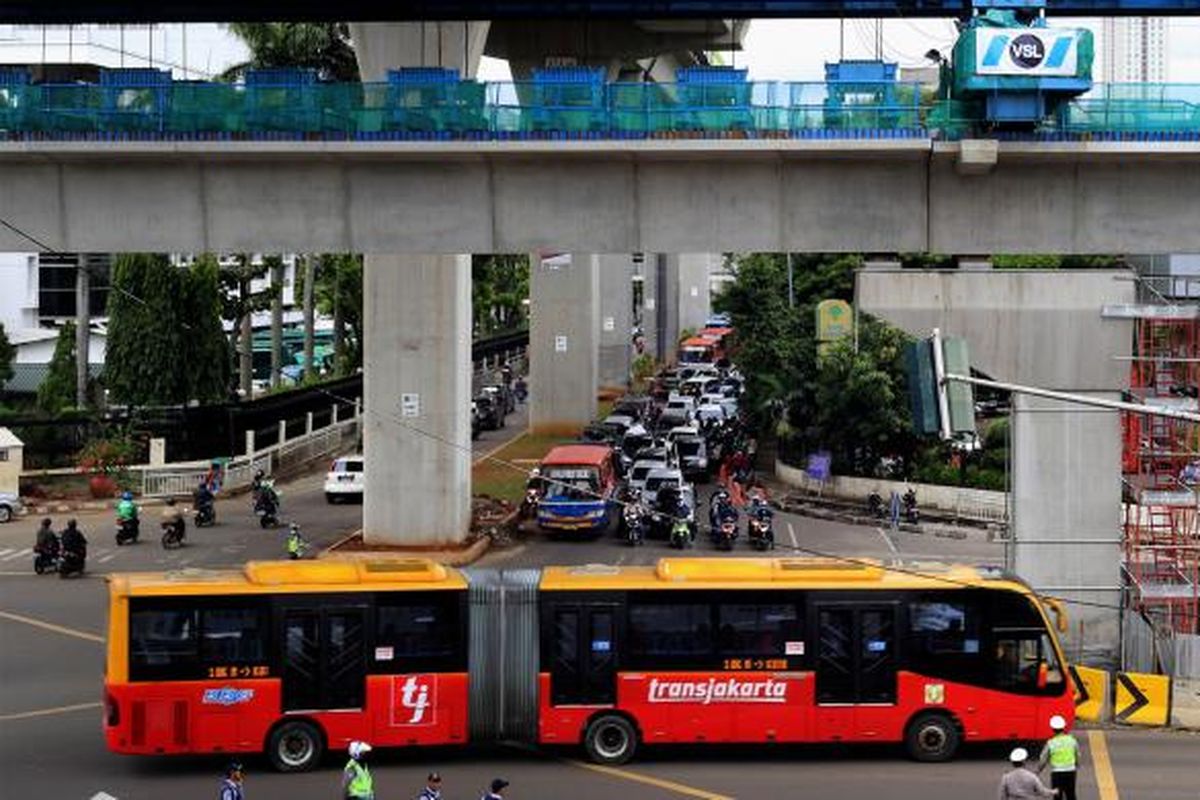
[888,540]
[28,551]
[792,536]
[104,559]
[5,551]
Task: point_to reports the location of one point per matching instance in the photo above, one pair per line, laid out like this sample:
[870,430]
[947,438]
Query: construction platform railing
[565,103]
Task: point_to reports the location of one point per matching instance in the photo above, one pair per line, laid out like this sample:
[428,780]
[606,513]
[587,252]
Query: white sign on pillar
[410,405]
[695,291]
[649,303]
[560,344]
[610,324]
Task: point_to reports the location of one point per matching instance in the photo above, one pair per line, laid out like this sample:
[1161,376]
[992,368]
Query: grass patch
[497,477]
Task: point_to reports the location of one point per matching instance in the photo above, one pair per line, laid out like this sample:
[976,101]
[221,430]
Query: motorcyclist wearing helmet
[172,517]
[203,496]
[257,484]
[47,539]
[73,540]
[127,510]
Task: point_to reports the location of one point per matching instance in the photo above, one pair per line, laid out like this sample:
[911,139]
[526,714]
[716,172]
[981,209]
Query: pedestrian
[1062,754]
[497,790]
[433,788]
[1020,782]
[231,783]
[357,783]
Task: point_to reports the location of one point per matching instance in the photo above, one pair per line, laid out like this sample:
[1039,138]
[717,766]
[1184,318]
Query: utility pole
[276,322]
[83,322]
[310,275]
[791,282]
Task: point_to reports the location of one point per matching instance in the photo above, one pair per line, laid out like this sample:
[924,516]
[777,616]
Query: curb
[459,557]
[816,512]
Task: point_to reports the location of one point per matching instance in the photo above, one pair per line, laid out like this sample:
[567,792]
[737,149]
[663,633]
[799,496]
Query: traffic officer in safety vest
[1062,754]
[357,783]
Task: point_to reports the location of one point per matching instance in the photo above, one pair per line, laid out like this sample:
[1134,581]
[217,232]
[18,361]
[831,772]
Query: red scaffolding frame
[1161,462]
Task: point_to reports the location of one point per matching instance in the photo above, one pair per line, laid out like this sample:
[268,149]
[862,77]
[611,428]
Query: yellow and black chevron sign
[1091,692]
[1142,699]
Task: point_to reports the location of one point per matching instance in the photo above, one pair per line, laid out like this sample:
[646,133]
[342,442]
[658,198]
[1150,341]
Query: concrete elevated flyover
[665,196]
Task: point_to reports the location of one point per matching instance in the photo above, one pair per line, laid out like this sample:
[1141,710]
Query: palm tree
[323,46]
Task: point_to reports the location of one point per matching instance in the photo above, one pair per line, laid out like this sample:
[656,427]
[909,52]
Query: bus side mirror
[1060,612]
[1042,675]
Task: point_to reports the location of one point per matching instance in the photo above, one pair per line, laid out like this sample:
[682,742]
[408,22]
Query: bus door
[583,667]
[856,665]
[324,656]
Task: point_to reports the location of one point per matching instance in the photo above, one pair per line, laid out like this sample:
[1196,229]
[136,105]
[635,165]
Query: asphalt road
[51,670]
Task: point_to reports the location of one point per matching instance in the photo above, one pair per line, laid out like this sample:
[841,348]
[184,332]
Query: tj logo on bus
[415,700]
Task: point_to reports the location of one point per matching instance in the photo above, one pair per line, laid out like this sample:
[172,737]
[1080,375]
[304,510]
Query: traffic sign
[1142,699]
[1091,692]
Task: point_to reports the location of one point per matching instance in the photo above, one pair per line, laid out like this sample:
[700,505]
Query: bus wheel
[295,747]
[932,737]
[610,740]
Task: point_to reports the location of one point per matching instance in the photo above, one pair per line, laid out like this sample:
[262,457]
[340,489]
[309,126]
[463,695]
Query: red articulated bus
[299,658]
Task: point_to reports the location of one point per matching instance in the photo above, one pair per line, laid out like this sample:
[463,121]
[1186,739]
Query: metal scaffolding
[1161,462]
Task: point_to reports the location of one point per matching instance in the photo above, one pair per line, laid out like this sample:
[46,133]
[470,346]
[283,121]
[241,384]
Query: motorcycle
[726,533]
[72,563]
[267,508]
[761,534]
[875,505]
[911,513]
[205,515]
[173,534]
[127,531]
[46,559]
[681,534]
[635,532]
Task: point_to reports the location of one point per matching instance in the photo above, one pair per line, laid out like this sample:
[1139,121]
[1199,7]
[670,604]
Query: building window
[3,454]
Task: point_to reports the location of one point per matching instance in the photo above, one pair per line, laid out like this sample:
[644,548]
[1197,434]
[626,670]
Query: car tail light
[333,465]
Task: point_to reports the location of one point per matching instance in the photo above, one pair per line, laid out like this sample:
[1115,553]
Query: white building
[1134,50]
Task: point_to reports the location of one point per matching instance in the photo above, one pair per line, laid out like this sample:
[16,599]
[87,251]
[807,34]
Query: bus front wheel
[610,740]
[295,747]
[932,737]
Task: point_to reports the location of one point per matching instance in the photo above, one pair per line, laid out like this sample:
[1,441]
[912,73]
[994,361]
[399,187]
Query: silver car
[10,506]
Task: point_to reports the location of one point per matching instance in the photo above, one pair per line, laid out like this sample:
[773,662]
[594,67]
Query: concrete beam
[380,46]
[1039,327]
[644,196]
[417,382]
[564,335]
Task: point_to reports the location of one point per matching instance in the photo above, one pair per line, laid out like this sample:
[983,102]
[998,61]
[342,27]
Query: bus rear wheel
[932,737]
[295,747]
[610,740]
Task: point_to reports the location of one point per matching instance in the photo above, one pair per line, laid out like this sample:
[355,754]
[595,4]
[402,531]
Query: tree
[207,361]
[338,288]
[323,46]
[8,354]
[57,390]
[239,304]
[499,289]
[860,407]
[165,341]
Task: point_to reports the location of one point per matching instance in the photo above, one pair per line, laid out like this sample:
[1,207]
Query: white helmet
[1057,723]
[1019,756]
[359,749]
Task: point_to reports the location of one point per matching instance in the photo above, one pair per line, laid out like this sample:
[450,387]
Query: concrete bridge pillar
[695,270]
[616,320]
[417,358]
[417,380]
[564,336]
[380,46]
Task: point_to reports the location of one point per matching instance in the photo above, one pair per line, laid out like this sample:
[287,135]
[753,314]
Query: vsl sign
[414,700]
[1035,51]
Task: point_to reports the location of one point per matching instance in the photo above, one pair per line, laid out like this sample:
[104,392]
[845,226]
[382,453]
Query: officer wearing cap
[357,783]
[231,782]
[1020,782]
[1061,753]
[433,788]
[497,790]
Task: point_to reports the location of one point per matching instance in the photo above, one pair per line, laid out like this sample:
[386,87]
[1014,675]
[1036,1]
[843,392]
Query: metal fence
[174,480]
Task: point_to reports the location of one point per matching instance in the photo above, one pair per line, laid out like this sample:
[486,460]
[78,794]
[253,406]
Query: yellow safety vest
[361,785]
[1064,752]
[293,546]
